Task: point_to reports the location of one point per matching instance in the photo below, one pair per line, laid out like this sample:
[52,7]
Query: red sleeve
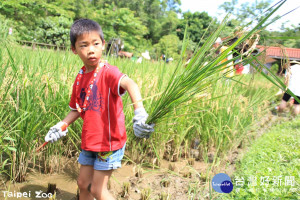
[72,103]
[114,77]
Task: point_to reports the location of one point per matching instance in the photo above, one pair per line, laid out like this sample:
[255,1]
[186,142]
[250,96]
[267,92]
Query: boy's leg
[84,180]
[99,185]
[103,168]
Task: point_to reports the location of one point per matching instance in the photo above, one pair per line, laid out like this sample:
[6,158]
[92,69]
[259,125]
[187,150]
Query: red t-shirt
[103,121]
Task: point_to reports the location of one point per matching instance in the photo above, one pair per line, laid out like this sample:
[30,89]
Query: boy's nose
[91,50]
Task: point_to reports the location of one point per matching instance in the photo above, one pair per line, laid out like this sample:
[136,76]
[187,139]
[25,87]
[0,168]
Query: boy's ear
[103,45]
[74,49]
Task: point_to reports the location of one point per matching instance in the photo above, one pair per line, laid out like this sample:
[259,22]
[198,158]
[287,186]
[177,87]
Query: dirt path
[177,180]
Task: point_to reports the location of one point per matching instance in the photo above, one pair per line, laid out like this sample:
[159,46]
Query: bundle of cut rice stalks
[205,68]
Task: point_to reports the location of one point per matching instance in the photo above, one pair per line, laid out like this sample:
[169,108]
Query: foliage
[169,45]
[287,37]
[27,11]
[246,12]
[197,24]
[121,23]
[134,21]
[52,30]
[5,25]
[169,24]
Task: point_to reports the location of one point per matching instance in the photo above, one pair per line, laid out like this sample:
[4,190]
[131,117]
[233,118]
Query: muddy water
[174,182]
[39,182]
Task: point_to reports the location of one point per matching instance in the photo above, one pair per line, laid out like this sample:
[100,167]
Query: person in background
[293,77]
[228,68]
[238,67]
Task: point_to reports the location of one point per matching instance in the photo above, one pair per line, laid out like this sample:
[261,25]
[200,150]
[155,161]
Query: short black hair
[82,26]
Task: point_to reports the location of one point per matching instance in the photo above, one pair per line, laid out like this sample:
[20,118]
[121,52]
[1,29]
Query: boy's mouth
[92,58]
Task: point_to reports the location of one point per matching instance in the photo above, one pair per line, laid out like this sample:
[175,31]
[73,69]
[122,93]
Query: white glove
[56,132]
[140,128]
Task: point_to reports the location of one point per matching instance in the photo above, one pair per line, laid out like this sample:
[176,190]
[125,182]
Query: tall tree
[169,23]
[26,14]
[229,7]
[83,9]
[121,23]
[246,11]
[197,24]
[287,37]
[172,5]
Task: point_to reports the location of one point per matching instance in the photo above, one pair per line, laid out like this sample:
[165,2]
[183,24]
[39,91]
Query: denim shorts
[102,160]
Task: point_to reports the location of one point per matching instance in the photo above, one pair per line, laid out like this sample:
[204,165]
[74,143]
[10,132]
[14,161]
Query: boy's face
[89,48]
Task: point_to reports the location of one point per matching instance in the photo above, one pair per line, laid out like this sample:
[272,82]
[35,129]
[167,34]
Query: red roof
[276,52]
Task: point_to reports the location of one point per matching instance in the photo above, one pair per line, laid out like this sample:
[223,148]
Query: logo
[16,195]
[95,101]
[222,183]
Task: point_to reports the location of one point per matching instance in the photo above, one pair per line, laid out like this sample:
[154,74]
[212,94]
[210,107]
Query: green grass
[275,155]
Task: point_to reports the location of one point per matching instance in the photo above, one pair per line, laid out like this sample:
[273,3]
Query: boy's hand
[56,132]
[140,128]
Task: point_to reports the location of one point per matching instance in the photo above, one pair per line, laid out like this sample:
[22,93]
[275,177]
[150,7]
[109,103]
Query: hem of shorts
[108,167]
[85,164]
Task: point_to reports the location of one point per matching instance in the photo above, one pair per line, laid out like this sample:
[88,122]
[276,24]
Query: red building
[277,55]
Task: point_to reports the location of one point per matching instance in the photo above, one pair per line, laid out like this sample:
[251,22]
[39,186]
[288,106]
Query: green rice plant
[125,189]
[35,92]
[194,190]
[165,182]
[7,150]
[28,98]
[146,194]
[200,73]
[164,196]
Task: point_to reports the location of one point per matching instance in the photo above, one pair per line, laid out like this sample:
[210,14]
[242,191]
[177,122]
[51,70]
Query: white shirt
[294,83]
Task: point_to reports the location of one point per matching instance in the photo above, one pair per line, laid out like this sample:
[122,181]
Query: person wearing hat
[228,68]
[293,78]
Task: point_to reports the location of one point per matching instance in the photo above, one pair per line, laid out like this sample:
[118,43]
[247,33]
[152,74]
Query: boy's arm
[72,116]
[133,91]
[140,128]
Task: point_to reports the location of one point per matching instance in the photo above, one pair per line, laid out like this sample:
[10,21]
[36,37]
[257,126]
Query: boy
[96,97]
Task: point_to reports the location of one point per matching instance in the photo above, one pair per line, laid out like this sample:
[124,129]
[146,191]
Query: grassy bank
[270,170]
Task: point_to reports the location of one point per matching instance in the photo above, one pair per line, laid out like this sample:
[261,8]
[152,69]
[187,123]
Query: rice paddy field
[187,148]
